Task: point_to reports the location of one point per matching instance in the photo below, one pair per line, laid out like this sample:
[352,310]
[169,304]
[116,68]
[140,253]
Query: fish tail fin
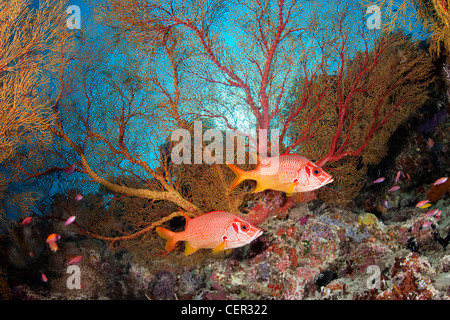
[170,236]
[241,175]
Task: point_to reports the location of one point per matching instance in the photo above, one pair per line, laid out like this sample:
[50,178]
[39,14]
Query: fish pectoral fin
[227,250]
[290,189]
[189,249]
[220,247]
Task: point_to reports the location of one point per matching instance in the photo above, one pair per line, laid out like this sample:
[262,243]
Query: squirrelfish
[289,173]
[217,230]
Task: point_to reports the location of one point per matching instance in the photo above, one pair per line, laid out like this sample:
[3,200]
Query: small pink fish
[394,188]
[438,215]
[397,176]
[427,224]
[76,260]
[51,241]
[409,178]
[78,197]
[26,221]
[70,220]
[379,180]
[421,203]
[432,212]
[43,277]
[440,181]
[69,170]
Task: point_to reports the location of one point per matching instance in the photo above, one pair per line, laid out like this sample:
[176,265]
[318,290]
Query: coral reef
[383,247]
[5,290]
[311,252]
[26,244]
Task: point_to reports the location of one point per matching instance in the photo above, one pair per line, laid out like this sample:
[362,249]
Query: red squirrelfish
[289,173]
[217,230]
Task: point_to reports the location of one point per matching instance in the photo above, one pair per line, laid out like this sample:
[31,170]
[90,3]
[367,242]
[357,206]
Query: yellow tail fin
[169,236]
[240,175]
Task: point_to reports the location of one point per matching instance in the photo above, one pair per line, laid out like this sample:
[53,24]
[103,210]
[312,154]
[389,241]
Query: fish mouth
[258,234]
[329,180]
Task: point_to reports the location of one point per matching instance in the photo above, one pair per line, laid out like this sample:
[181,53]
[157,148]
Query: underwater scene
[224,150]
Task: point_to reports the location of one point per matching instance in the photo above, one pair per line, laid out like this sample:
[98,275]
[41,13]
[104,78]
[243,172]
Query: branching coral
[35,44]
[433,14]
[5,290]
[360,108]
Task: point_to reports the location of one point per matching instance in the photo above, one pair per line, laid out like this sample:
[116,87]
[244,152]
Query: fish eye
[244,227]
[316,172]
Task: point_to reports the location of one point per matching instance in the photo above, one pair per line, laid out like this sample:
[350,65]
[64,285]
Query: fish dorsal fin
[219,248]
[188,249]
[186,217]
